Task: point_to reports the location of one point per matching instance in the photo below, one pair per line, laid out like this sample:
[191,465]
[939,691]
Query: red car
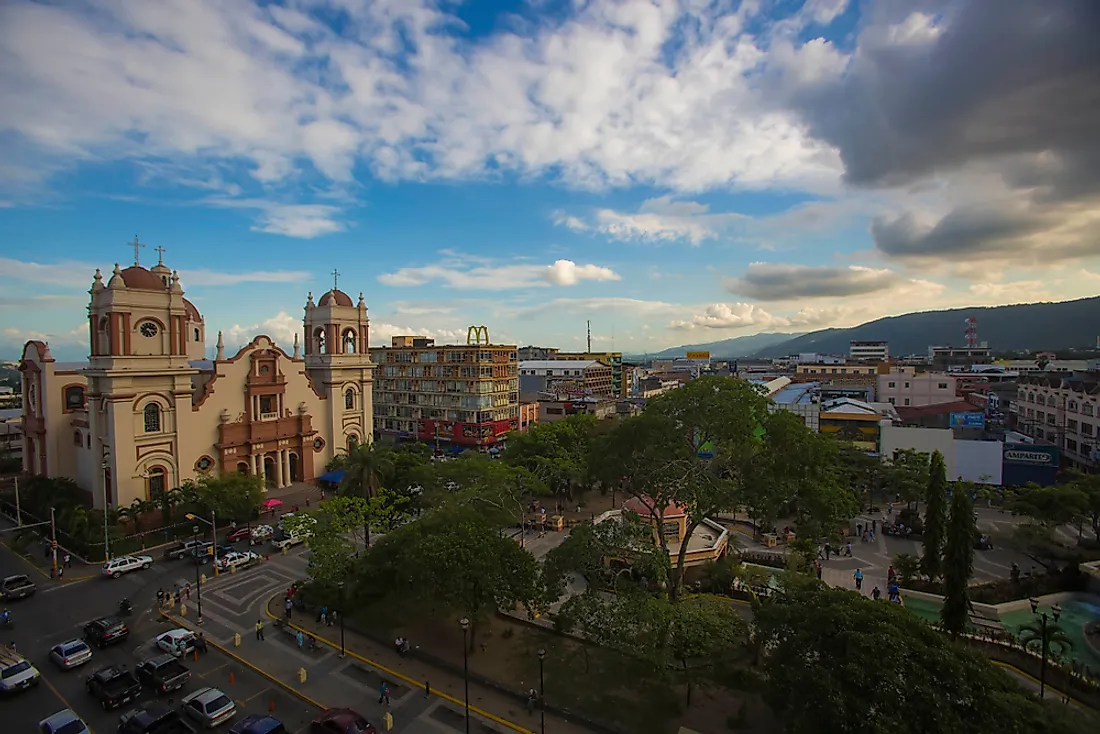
[239,534]
[341,721]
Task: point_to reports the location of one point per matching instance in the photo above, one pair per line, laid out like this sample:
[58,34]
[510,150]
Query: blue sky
[676,171]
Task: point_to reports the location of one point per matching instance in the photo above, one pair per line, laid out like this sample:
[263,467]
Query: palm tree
[166,500]
[364,470]
[1057,642]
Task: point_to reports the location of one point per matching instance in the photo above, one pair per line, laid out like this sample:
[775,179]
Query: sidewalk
[38,560]
[499,712]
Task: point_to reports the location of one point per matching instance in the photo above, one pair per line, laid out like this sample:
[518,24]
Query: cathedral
[149,410]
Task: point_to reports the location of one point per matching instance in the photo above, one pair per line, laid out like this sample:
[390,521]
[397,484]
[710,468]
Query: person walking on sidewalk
[259,630]
[532,697]
[187,590]
[875,593]
[384,693]
[289,609]
[68,561]
[858,576]
[60,573]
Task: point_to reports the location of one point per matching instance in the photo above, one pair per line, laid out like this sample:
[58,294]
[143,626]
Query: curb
[42,573]
[1033,679]
[399,676]
[229,653]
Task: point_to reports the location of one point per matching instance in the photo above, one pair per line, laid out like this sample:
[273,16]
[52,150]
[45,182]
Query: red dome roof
[192,312]
[141,279]
[335,297]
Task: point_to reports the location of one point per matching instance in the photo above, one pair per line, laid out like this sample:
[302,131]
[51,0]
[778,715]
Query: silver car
[209,707]
[63,722]
[69,655]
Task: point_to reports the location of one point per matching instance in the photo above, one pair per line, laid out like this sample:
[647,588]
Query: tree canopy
[556,453]
[935,517]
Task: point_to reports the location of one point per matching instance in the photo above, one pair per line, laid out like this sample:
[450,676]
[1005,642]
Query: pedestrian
[322,614]
[301,639]
[874,526]
[427,689]
[332,618]
[289,609]
[532,696]
[828,550]
[384,693]
[187,589]
[848,550]
[60,572]
[890,509]
[177,597]
[817,569]
[68,561]
[858,576]
[260,630]
[176,589]
[160,597]
[875,593]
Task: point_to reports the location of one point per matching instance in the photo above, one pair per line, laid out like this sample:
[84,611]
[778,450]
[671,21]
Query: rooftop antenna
[589,336]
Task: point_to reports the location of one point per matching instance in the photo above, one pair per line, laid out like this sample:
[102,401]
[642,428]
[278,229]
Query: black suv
[105,631]
[17,587]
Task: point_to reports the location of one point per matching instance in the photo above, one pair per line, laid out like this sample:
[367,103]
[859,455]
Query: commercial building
[148,411]
[903,386]
[832,370]
[855,421]
[971,461]
[551,411]
[579,378]
[802,398]
[620,379]
[1037,366]
[462,395]
[1063,410]
[869,351]
[944,359]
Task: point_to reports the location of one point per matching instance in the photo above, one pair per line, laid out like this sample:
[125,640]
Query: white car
[125,564]
[237,559]
[176,642]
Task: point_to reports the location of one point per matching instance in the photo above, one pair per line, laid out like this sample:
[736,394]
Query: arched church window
[152,418]
[353,441]
[319,338]
[349,399]
[158,481]
[74,398]
[196,334]
[349,341]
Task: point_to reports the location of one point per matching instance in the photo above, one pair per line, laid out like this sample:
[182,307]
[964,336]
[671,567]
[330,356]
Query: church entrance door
[295,470]
[269,471]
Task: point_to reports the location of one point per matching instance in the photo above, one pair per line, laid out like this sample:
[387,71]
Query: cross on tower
[335,278]
[160,254]
[137,246]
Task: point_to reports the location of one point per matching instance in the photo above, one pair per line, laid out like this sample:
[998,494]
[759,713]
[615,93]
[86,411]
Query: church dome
[335,297]
[192,312]
[138,278]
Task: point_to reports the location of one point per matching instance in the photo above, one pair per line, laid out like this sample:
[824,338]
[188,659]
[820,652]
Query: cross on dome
[335,279]
[137,247]
[160,254]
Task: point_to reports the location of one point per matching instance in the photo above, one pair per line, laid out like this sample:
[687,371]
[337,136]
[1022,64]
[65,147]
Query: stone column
[279,469]
[285,455]
[252,464]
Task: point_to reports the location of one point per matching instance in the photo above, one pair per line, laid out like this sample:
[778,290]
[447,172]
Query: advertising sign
[698,355]
[967,420]
[1022,453]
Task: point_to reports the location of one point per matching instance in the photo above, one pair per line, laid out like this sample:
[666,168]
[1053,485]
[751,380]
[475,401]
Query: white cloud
[729,316]
[461,272]
[71,273]
[303,221]
[380,334]
[282,327]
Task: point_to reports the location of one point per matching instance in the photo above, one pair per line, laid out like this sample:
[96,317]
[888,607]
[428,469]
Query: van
[16,672]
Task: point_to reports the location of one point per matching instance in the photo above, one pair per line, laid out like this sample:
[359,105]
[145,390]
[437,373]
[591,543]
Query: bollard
[183,609]
[301,675]
[232,569]
[285,548]
[237,639]
[387,721]
[202,579]
[196,654]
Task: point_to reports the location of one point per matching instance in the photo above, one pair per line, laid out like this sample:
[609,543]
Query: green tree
[958,563]
[557,453]
[1031,637]
[448,562]
[906,474]
[940,687]
[935,518]
[232,497]
[136,510]
[366,467]
[330,552]
[1089,486]
[166,500]
[1047,509]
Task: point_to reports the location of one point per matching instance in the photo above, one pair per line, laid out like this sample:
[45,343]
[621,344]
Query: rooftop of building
[911,412]
[557,364]
[801,393]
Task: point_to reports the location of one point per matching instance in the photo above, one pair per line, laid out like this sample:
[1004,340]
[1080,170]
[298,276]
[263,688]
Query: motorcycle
[6,619]
[125,607]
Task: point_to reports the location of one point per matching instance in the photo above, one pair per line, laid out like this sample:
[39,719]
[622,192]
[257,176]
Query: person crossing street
[260,630]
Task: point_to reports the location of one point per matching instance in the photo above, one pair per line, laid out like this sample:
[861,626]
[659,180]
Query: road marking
[67,584]
[255,695]
[59,696]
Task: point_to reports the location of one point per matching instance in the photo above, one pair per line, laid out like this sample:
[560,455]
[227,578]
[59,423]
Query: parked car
[261,534]
[105,631]
[258,724]
[205,556]
[176,642]
[70,654]
[113,686]
[241,533]
[237,559]
[187,548]
[18,586]
[64,721]
[341,721]
[163,673]
[209,707]
[16,672]
[125,564]
[154,718]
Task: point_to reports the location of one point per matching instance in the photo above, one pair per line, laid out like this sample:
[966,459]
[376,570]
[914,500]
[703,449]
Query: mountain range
[1031,326]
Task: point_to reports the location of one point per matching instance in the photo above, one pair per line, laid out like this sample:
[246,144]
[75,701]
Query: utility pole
[18,514]
[589,336]
[53,542]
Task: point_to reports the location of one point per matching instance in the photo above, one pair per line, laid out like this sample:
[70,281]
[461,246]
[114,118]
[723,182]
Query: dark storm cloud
[778,282]
[1003,77]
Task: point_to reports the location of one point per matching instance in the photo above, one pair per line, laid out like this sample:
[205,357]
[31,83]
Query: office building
[903,386]
[1063,410]
[620,377]
[869,351]
[565,378]
[946,359]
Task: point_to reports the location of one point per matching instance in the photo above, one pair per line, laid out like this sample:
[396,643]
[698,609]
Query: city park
[660,601]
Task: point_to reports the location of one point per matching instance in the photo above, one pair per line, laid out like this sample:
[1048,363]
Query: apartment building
[620,379]
[945,359]
[571,378]
[906,387]
[869,351]
[1064,410]
[463,395]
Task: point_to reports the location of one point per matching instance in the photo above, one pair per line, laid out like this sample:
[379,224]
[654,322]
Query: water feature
[1076,613]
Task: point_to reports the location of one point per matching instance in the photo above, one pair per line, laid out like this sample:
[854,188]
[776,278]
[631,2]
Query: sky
[674,171]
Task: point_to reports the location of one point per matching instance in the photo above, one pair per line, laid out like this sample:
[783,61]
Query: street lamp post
[198,583]
[106,541]
[542,693]
[213,537]
[465,623]
[341,585]
[1055,612]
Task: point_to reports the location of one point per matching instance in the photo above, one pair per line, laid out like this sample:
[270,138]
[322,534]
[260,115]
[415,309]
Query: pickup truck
[17,587]
[154,718]
[183,550]
[163,673]
[113,686]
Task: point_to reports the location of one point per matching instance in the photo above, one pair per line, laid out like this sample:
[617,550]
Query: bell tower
[336,334]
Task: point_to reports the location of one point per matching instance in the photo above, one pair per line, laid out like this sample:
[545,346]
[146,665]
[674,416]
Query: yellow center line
[60,697]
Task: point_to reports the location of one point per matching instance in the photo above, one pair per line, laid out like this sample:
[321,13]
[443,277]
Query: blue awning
[334,476]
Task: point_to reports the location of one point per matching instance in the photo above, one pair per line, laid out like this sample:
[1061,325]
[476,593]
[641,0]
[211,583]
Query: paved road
[58,611]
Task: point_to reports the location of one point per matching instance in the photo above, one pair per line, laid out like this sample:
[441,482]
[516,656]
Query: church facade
[149,411]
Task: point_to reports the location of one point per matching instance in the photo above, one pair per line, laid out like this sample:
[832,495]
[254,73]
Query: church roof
[335,297]
[192,312]
[139,278]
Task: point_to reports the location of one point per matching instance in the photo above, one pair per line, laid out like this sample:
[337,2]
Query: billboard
[967,420]
[1030,455]
[698,355]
